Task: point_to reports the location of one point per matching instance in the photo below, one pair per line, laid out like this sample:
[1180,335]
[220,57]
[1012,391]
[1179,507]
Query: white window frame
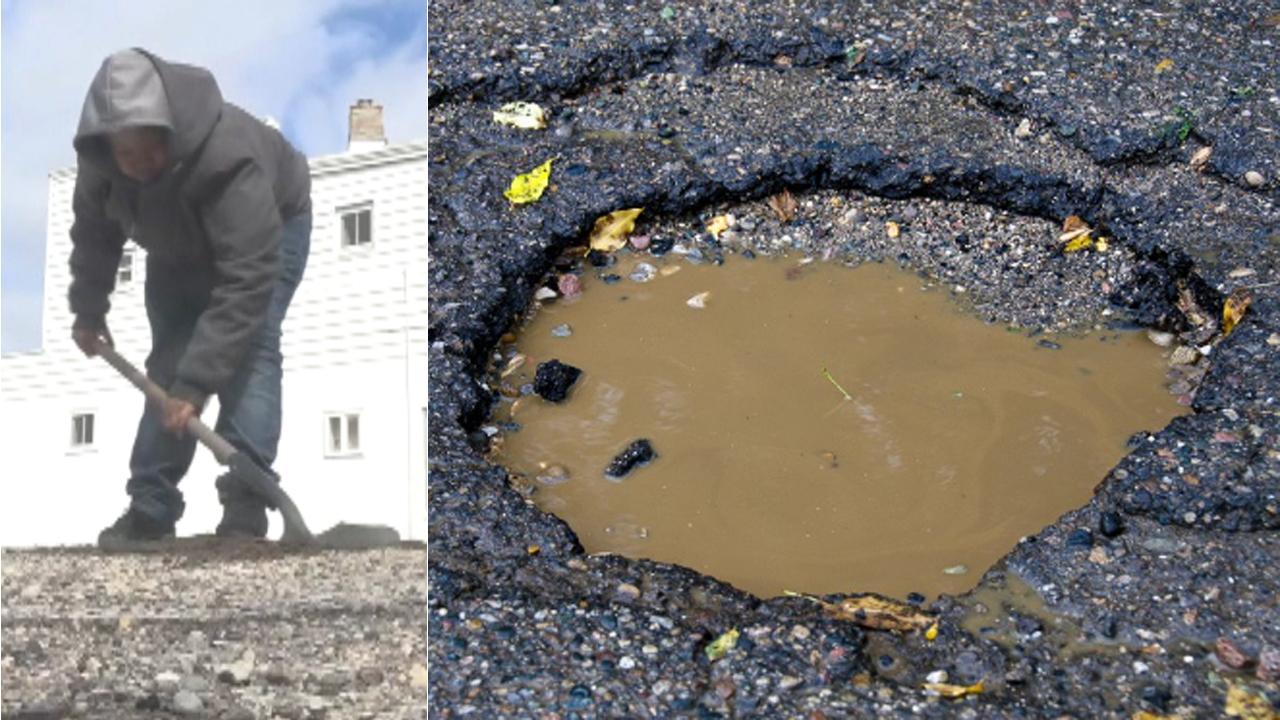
[345,448]
[355,209]
[123,281]
[76,443]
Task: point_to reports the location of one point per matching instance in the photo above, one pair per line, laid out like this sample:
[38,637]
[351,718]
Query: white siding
[354,340]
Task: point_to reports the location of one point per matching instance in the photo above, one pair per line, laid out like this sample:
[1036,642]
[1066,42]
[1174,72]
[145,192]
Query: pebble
[553,475]
[418,676]
[1201,158]
[627,662]
[747,223]
[545,293]
[1254,178]
[640,242]
[937,676]
[561,331]
[195,683]
[643,272]
[626,592]
[186,702]
[332,683]
[649,649]
[1110,524]
[1183,355]
[661,687]
[1269,664]
[800,632]
[787,682]
[167,681]
[239,712]
[956,570]
[699,301]
[1161,545]
[1163,339]
[1080,538]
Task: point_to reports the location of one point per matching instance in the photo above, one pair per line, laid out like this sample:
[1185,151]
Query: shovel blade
[266,487]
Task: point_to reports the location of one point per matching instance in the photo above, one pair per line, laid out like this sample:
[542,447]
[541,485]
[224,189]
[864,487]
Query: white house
[354,442]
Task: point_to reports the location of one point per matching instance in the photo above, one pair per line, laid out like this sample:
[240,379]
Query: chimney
[365,130]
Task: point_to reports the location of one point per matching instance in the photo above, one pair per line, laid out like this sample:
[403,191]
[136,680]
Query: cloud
[300,61]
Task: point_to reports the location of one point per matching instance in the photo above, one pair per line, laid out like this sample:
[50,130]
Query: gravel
[207,635]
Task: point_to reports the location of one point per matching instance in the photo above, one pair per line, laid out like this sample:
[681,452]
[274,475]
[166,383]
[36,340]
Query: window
[342,434]
[357,225]
[81,430]
[125,273]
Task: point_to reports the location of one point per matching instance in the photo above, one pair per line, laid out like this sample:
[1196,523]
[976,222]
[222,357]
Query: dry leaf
[717,648]
[891,229]
[875,612]
[1101,245]
[954,691]
[1189,307]
[610,231]
[1234,308]
[1242,703]
[718,224]
[1164,65]
[783,205]
[1144,715]
[524,115]
[932,633]
[528,187]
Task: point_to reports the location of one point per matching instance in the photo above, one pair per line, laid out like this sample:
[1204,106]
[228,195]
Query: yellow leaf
[1242,703]
[932,633]
[875,612]
[1233,309]
[1164,65]
[528,187]
[891,229]
[610,231]
[717,648]
[1144,715]
[717,225]
[1078,242]
[955,691]
[1101,244]
[528,116]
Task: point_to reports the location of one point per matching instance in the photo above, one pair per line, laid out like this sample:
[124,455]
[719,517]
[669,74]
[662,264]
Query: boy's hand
[176,415]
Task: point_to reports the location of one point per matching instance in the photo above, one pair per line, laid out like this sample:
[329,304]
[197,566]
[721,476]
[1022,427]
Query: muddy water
[956,437]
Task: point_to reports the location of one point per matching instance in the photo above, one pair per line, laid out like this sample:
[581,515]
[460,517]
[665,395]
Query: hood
[135,88]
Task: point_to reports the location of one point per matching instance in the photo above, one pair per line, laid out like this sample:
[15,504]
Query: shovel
[295,530]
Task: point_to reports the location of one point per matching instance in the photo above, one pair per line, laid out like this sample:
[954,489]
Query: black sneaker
[243,518]
[133,528]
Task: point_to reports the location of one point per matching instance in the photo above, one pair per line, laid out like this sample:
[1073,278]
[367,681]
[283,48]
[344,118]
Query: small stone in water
[570,285]
[639,452]
[640,242]
[698,301]
[545,293]
[611,279]
[1049,345]
[553,475]
[562,330]
[554,379]
[1183,355]
[1163,339]
[644,272]
[956,570]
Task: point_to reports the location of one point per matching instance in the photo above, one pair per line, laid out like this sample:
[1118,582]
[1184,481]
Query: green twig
[847,396]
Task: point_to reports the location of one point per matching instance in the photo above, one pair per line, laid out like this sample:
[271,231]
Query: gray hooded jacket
[213,218]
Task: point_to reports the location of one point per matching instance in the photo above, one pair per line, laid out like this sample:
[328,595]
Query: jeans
[249,414]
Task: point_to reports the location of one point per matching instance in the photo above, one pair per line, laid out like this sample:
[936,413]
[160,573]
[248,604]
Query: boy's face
[141,153]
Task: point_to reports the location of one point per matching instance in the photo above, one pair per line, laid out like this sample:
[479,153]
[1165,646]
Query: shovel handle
[221,449]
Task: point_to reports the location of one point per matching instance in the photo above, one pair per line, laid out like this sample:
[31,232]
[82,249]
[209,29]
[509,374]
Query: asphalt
[1158,595]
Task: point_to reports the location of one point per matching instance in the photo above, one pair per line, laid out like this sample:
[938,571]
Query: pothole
[825,429]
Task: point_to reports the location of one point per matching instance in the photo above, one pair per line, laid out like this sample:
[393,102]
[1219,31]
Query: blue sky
[302,62]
